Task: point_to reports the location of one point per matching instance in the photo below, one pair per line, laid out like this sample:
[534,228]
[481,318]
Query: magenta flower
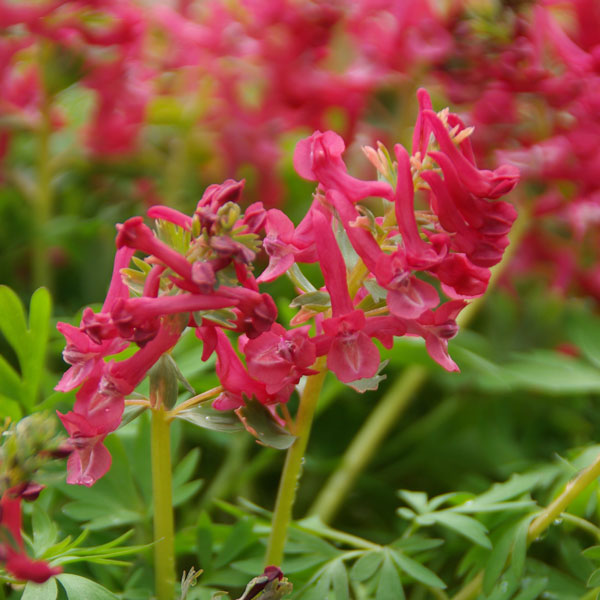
[235,379]
[408,297]
[12,550]
[134,234]
[89,459]
[278,244]
[279,358]
[319,158]
[481,183]
[352,354]
[436,328]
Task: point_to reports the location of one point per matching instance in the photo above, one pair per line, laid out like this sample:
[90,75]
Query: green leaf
[339,581]
[10,382]
[313,543]
[185,468]
[45,531]
[10,408]
[418,500]
[42,591]
[417,543]
[317,301]
[369,383]
[463,525]
[534,588]
[593,552]
[519,552]
[40,309]
[515,486]
[594,579]
[12,321]
[78,588]
[389,586]
[366,566]
[498,558]
[209,418]
[552,373]
[416,570]
[224,317]
[240,537]
[259,421]
[318,590]
[184,492]
[584,331]
[204,541]
[297,564]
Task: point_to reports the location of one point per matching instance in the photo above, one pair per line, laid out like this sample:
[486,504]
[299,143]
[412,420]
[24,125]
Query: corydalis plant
[411,273]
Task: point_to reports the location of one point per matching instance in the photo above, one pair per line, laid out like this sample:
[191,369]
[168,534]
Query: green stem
[583,524]
[293,464]
[164,548]
[363,446]
[42,210]
[393,404]
[552,512]
[571,491]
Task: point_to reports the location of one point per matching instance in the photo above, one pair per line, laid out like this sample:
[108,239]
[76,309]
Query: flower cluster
[531,90]
[199,273]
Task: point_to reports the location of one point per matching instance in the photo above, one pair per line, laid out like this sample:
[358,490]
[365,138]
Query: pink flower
[89,459]
[12,551]
[279,357]
[319,158]
[436,328]
[481,183]
[134,234]
[408,297]
[352,355]
[278,244]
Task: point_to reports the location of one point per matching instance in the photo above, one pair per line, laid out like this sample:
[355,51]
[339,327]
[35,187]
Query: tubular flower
[12,550]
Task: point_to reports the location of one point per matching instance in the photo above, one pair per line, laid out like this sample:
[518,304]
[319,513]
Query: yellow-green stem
[42,210]
[392,405]
[537,527]
[164,548]
[293,464]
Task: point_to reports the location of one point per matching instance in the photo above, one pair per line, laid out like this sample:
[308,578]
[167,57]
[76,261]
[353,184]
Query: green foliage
[28,337]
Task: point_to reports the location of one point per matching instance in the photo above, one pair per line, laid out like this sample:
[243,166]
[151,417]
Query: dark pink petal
[117,288]
[88,463]
[171,215]
[278,245]
[75,376]
[353,356]
[482,183]
[422,129]
[332,265]
[140,309]
[411,300]
[134,234]
[24,568]
[304,153]
[438,350]
[460,278]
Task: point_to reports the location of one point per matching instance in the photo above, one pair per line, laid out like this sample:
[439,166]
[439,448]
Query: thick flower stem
[164,548]
[293,465]
[393,404]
